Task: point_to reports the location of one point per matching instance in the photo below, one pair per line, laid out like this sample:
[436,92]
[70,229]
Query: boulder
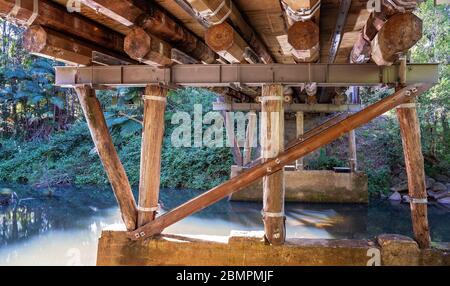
[442,178]
[395,197]
[445,201]
[406,199]
[402,187]
[439,195]
[429,182]
[439,187]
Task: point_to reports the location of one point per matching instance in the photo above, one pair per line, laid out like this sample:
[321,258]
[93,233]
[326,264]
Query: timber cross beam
[271,166]
[246,75]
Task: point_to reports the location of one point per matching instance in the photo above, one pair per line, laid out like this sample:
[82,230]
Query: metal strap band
[215,12]
[407,105]
[272,98]
[269,214]
[418,201]
[148,210]
[154,97]
[303,14]
[35,13]
[15,10]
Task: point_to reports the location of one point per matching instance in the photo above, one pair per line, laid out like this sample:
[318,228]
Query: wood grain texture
[108,155]
[412,148]
[298,150]
[48,43]
[151,148]
[145,48]
[398,34]
[272,144]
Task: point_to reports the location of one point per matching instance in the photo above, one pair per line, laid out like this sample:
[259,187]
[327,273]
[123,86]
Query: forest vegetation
[44,140]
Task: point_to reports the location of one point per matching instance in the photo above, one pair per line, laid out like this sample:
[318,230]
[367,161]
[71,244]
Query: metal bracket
[274,215]
[418,201]
[302,14]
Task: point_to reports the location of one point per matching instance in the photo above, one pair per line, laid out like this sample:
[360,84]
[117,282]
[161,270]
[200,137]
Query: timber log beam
[51,44]
[145,48]
[156,23]
[56,17]
[217,11]
[272,166]
[225,41]
[303,18]
[400,33]
[362,49]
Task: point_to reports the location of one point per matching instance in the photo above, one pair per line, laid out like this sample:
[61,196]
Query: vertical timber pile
[272,144]
[108,155]
[155,100]
[300,132]
[412,148]
[250,137]
[352,151]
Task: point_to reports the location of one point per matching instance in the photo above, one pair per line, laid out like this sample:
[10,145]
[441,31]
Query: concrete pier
[250,249]
[313,187]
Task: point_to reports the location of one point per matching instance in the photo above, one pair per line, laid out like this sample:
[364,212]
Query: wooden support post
[272,143]
[108,155]
[412,148]
[300,132]
[250,137]
[229,126]
[155,100]
[272,166]
[353,160]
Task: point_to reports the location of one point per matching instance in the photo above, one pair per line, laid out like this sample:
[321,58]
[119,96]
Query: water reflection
[63,229]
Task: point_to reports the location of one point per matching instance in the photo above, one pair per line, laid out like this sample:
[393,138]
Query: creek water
[62,229]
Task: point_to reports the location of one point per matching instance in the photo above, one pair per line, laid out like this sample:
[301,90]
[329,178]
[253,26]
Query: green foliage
[70,157]
[324,162]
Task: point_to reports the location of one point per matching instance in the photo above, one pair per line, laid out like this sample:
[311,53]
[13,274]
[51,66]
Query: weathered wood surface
[353,159]
[145,48]
[224,40]
[243,28]
[304,38]
[45,42]
[108,155]
[58,18]
[412,148]
[299,150]
[252,129]
[400,33]
[272,144]
[152,139]
[156,22]
[300,124]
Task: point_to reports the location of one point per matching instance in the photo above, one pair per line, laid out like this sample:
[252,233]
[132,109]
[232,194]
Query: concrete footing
[312,187]
[250,249]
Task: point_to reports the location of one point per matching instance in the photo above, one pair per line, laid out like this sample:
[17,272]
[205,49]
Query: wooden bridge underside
[258,50]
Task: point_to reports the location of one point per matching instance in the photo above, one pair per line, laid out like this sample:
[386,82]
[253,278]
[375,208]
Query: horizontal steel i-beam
[246,75]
